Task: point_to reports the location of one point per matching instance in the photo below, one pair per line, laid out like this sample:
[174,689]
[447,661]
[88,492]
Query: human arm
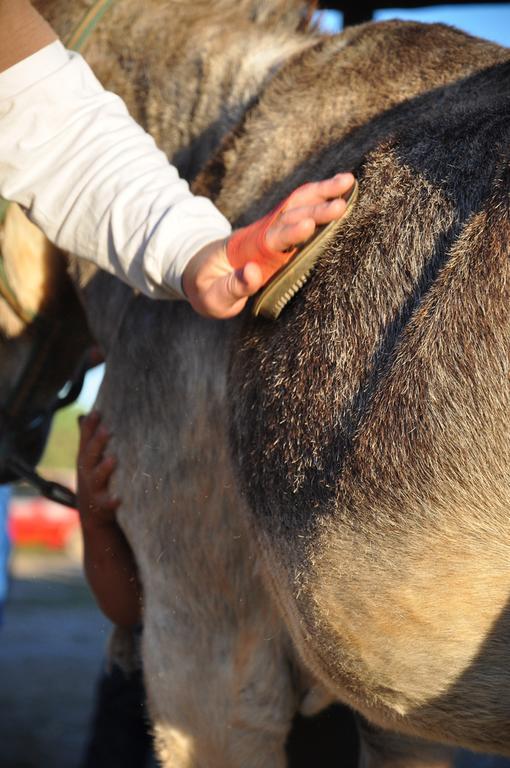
[22,32]
[98,187]
[109,564]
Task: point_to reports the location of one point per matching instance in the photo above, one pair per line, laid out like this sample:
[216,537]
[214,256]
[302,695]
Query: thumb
[231,291]
[244,282]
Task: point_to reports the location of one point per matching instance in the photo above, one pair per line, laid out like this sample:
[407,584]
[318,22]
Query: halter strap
[80,36]
[4,204]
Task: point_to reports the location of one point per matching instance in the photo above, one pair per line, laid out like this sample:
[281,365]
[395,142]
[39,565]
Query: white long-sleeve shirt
[92,179]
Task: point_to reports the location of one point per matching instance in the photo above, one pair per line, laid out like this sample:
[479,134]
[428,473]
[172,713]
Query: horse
[317,506]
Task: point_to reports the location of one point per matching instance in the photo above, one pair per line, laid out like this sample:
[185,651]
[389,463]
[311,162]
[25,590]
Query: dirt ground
[51,649]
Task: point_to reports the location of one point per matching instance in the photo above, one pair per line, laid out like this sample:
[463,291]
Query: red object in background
[35,520]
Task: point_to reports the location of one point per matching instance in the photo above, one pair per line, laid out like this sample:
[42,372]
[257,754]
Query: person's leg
[120,731]
[22,32]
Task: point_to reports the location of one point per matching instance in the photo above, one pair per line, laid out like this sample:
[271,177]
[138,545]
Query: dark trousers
[120,734]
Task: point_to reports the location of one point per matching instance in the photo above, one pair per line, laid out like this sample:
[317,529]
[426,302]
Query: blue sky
[489,21]
[91,385]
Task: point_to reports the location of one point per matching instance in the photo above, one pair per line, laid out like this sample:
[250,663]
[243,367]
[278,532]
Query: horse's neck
[186,73]
[105,299]
[211,91]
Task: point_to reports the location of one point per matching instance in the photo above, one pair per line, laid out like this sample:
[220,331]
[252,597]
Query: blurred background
[52,636]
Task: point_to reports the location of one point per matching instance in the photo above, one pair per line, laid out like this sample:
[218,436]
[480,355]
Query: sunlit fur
[46,314]
[34,270]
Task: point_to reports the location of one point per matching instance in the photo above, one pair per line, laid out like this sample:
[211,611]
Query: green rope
[87,25]
[4,204]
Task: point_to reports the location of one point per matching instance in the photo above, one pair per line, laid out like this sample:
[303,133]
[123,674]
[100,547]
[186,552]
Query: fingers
[94,495]
[309,206]
[104,503]
[321,213]
[88,425]
[228,293]
[100,476]
[243,282]
[297,225]
[319,191]
[94,438]
[281,237]
[94,449]
[95,471]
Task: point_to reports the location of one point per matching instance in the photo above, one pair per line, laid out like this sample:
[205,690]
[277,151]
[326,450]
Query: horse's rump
[373,441]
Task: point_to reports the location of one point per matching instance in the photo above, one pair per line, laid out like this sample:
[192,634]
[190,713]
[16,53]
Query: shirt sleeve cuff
[189,226]
[33,69]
